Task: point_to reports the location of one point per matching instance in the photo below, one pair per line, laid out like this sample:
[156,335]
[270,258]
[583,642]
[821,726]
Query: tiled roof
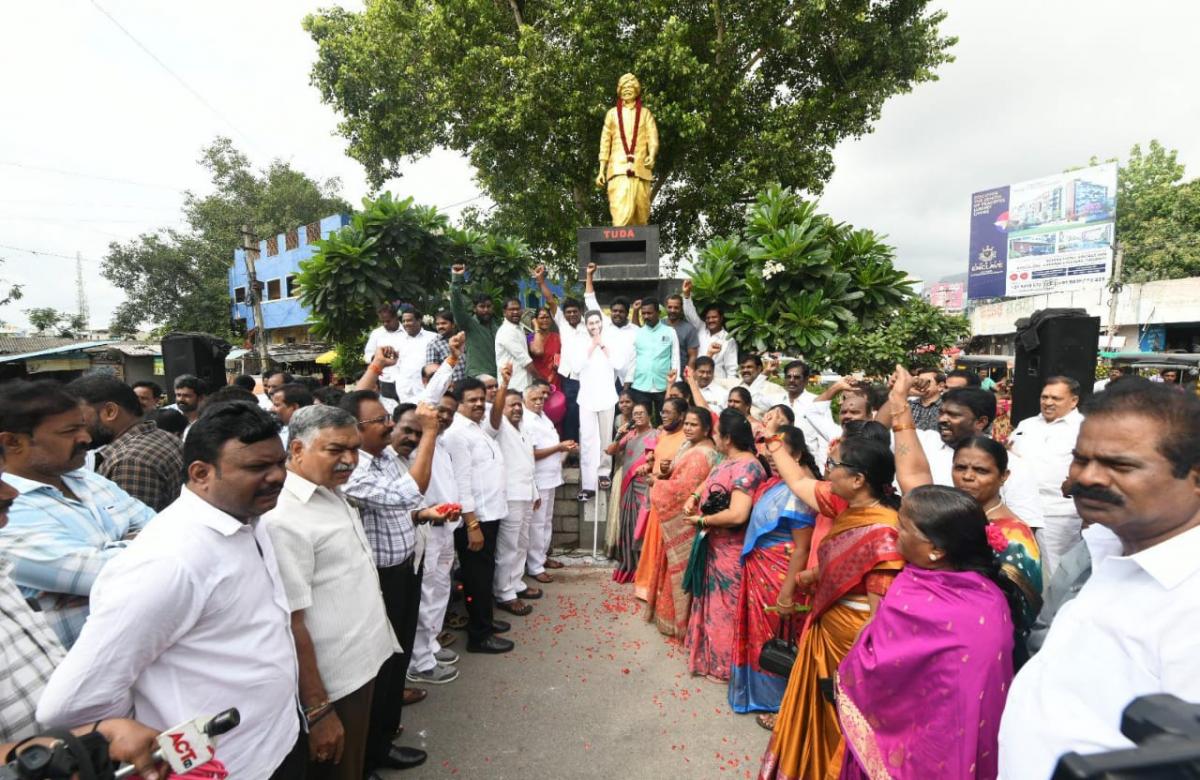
[16,345]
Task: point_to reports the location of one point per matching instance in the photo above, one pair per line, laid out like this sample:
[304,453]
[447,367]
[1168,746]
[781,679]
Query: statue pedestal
[626,260]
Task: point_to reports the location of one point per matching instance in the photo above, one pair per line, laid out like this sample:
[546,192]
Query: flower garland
[628,147]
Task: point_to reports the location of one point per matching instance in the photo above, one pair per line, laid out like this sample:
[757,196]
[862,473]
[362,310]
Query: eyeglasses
[831,463]
[381,420]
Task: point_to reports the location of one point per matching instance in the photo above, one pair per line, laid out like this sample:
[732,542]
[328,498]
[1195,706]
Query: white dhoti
[435,595]
[540,529]
[512,545]
[1060,534]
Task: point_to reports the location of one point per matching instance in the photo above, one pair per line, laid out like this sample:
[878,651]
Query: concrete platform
[591,691]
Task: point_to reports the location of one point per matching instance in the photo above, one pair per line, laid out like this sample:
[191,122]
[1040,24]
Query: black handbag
[778,654]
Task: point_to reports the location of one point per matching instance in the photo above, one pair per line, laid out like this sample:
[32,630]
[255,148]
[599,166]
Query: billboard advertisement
[1046,235]
[948,296]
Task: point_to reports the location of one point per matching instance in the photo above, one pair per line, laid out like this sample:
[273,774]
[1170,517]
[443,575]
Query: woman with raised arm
[667,603]
[670,438]
[921,693]
[775,551]
[719,511]
[980,468]
[858,559]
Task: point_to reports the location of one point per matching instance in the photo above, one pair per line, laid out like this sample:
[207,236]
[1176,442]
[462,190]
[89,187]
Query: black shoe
[493,645]
[501,626]
[402,758]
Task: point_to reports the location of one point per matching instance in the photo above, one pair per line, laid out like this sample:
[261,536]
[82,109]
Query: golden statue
[628,170]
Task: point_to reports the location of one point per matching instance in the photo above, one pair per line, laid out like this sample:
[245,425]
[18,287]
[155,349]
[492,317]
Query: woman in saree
[545,346]
[670,439]
[612,523]
[775,551]
[921,692]
[722,534]
[980,468]
[858,559]
[667,603]
[637,451]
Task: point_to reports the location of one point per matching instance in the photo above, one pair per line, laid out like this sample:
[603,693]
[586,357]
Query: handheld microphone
[191,743]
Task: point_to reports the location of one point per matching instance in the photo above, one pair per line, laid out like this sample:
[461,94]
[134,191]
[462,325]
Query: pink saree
[935,661]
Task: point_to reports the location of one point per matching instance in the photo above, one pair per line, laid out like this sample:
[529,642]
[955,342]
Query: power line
[461,202]
[62,172]
[41,253]
[174,75]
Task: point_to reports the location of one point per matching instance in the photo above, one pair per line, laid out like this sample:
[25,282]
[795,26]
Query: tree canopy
[1158,216]
[177,278]
[795,281]
[398,252]
[744,94]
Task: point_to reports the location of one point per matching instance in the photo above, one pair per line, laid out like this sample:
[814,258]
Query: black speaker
[194,353]
[1053,342]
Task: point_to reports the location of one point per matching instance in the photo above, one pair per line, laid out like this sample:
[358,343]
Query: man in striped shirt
[67,522]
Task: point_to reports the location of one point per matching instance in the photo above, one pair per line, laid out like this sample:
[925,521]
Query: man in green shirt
[479,325]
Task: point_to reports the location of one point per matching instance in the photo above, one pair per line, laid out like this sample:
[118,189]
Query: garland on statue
[629,148]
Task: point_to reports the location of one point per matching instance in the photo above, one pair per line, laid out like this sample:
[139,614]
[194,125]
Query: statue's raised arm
[628,148]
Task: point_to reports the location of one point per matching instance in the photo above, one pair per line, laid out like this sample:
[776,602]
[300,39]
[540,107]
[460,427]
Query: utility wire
[41,253]
[174,75]
[62,172]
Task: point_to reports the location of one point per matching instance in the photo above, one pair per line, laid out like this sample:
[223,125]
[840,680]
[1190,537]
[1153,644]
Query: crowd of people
[864,566]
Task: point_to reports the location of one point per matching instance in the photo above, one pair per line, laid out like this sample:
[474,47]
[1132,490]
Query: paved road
[590,691]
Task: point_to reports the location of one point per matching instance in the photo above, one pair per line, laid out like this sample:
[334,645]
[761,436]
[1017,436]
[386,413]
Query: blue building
[276,267]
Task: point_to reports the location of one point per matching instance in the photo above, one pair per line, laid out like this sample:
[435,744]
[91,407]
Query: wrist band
[315,707]
[903,427]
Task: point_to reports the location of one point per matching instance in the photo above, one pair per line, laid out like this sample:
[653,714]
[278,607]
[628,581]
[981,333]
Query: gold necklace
[988,512]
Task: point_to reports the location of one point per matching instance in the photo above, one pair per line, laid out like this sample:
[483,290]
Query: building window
[274,289]
[293,289]
[239,294]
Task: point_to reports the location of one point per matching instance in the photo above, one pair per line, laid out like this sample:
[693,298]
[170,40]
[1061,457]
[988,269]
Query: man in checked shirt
[67,522]
[389,501]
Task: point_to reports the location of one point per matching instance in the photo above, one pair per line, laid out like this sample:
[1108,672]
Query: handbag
[778,654]
[693,577]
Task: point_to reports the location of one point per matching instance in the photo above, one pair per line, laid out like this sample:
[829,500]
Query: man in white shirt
[340,626]
[1131,631]
[272,380]
[431,663]
[480,475]
[1045,441]
[511,347]
[714,395]
[715,341]
[193,618]
[813,415]
[286,401]
[967,412]
[763,393]
[548,454]
[512,538]
[404,334]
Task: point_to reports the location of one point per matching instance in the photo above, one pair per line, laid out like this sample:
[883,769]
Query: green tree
[915,335]
[744,94]
[795,281]
[61,323]
[398,252]
[178,278]
[44,319]
[1158,216]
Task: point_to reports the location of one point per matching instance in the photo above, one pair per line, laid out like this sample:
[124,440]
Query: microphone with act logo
[191,744]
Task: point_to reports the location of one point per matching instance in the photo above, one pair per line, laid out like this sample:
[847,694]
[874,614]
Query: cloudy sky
[98,141]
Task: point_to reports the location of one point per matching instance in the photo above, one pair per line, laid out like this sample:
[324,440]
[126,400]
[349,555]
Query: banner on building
[1046,235]
[948,296]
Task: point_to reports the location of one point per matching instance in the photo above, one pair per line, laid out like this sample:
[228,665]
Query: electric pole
[1114,290]
[254,293]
